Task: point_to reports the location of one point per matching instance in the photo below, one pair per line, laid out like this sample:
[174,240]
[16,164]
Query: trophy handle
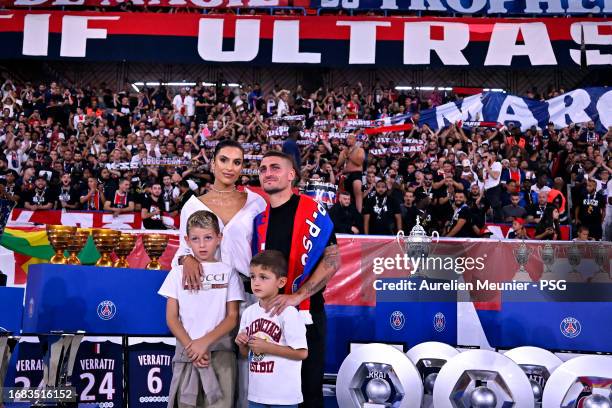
[399,238]
[435,236]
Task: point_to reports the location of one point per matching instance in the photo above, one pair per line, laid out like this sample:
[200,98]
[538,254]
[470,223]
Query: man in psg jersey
[284,230]
[120,200]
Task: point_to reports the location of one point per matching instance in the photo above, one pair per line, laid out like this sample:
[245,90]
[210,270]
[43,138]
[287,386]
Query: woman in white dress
[235,210]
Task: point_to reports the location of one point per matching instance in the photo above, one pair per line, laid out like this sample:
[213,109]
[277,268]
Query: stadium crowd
[98,149]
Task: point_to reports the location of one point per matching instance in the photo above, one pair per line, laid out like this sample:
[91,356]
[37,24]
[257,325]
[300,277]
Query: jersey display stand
[63,303]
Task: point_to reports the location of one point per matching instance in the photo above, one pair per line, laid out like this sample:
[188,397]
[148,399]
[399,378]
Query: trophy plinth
[124,248]
[76,244]
[106,241]
[60,236]
[154,245]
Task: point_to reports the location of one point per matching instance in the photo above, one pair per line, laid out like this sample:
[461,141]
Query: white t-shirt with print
[275,380]
[201,311]
[490,182]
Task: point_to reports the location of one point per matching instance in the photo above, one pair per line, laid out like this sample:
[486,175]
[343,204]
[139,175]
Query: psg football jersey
[98,374]
[150,374]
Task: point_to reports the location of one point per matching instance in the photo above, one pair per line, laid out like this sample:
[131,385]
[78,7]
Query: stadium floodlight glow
[231,84]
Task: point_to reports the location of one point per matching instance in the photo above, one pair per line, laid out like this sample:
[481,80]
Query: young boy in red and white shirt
[275,345]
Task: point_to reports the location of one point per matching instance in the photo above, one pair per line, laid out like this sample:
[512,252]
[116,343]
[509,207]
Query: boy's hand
[204,362]
[198,349]
[258,346]
[242,339]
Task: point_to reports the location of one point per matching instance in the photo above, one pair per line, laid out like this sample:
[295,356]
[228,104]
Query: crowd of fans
[96,149]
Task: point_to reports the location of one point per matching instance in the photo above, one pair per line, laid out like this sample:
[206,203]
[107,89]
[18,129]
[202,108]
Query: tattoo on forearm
[310,288]
[331,262]
[331,257]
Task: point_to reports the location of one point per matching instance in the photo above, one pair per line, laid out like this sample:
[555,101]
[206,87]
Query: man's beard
[273,190]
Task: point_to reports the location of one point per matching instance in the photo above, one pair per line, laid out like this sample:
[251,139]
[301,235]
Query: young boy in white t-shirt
[204,364]
[275,345]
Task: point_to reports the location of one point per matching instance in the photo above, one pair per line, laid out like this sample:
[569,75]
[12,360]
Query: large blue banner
[578,106]
[491,7]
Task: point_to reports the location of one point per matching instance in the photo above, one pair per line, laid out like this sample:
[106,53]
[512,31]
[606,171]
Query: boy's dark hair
[271,260]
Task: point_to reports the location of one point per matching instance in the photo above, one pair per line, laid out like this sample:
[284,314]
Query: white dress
[237,234]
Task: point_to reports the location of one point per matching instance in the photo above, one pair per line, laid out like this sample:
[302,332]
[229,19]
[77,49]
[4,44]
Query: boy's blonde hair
[203,219]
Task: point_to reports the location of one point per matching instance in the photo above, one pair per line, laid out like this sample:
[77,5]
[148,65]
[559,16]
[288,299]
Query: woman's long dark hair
[227,143]
[547,221]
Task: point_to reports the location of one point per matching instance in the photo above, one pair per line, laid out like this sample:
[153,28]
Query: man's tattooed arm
[324,271]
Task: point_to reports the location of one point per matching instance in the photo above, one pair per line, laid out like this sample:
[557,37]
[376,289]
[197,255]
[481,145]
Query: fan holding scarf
[303,231]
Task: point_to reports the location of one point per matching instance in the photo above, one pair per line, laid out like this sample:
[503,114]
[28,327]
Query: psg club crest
[106,310]
[439,322]
[571,327]
[397,320]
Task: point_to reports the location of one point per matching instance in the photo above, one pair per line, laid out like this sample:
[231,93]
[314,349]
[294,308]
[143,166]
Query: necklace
[223,191]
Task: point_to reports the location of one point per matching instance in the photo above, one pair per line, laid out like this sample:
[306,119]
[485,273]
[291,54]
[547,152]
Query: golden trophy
[125,247]
[59,237]
[78,242]
[154,245]
[106,241]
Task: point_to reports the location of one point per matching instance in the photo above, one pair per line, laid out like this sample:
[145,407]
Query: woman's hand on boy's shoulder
[192,273]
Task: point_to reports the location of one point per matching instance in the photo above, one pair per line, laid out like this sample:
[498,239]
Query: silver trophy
[521,255]
[482,379]
[574,258]
[600,256]
[378,376]
[548,255]
[58,363]
[429,358]
[417,244]
[538,364]
[7,345]
[565,388]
